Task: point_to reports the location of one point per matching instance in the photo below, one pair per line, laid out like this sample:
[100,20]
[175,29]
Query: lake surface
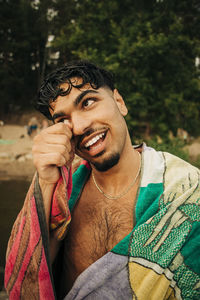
[12,197]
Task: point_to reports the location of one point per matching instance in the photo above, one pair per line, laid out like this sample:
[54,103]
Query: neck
[116,179]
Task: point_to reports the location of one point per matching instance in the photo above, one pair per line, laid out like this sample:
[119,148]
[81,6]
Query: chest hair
[97,225]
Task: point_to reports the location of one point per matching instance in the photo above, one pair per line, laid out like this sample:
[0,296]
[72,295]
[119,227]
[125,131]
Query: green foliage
[152,52]
[175,147]
[24,31]
[151,47]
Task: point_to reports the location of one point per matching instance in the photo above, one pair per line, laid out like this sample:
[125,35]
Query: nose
[80,124]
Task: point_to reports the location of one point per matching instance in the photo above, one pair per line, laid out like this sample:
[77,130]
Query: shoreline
[16,161]
[16,171]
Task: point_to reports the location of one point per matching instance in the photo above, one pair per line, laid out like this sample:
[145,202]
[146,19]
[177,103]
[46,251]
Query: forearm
[47,190]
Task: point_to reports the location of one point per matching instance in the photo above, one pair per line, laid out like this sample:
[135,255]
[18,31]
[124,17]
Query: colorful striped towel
[28,272]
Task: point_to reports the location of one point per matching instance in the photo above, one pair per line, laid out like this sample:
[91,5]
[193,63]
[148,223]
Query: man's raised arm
[42,222]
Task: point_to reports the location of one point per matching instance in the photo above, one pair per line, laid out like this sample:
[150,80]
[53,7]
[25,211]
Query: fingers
[59,134]
[52,148]
[44,148]
[59,128]
[53,140]
[51,159]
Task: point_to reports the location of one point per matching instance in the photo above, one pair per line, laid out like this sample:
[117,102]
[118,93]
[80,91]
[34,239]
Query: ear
[120,102]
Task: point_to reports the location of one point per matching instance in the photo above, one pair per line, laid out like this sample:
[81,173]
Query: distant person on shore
[126,225]
[32,127]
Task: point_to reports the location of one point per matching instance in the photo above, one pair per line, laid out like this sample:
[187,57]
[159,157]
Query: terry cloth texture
[28,273]
[159,259]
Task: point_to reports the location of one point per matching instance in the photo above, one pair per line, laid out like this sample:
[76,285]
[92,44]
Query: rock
[4,155]
[29,156]
[21,158]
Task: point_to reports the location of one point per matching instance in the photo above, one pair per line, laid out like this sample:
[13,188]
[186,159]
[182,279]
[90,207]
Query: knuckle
[69,147]
[67,157]
[57,156]
[59,159]
[62,149]
[65,140]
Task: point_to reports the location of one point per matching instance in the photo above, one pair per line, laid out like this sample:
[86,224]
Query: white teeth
[94,140]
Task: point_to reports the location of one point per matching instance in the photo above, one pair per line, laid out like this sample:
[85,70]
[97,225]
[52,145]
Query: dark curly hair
[89,72]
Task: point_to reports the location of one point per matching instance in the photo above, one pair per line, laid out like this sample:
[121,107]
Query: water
[12,197]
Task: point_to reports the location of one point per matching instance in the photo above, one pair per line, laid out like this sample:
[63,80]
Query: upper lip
[90,137]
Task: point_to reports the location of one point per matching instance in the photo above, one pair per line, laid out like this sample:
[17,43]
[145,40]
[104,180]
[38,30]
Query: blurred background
[152,47]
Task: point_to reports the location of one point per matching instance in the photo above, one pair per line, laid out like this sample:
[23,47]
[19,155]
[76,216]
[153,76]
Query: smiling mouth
[95,140]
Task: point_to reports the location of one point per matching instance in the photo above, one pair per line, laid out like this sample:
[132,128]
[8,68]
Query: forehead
[73,90]
[76,94]
[74,86]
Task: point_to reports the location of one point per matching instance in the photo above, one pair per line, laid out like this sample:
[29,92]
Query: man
[128,229]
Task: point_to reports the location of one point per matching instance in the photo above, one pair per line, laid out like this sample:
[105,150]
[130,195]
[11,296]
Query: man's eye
[87,102]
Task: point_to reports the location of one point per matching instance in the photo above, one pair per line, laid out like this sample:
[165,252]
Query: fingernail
[66,121]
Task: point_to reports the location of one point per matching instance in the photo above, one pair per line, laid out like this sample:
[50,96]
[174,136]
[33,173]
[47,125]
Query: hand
[53,148]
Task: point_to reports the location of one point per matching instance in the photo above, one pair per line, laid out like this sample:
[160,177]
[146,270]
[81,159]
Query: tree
[151,48]
[24,32]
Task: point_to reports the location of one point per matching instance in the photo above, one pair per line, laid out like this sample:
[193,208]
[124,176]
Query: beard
[107,163]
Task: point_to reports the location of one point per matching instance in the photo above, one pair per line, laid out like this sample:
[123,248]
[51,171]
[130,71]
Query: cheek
[108,113]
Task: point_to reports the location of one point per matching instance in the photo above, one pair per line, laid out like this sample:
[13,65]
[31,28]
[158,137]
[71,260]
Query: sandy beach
[16,147]
[15,153]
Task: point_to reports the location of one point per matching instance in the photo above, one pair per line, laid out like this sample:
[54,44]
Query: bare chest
[97,225]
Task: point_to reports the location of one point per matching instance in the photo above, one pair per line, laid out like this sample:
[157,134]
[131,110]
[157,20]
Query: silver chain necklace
[126,190]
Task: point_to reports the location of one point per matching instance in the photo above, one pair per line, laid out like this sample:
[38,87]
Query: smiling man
[123,226]
[94,128]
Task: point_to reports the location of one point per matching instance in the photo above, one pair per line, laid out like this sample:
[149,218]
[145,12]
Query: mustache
[90,131]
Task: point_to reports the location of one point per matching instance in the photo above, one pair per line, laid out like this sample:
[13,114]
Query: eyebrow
[76,102]
[80,96]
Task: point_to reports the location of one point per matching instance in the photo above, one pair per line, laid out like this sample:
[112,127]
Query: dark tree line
[153,47]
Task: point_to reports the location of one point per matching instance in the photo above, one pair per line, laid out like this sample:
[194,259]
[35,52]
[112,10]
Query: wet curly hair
[87,71]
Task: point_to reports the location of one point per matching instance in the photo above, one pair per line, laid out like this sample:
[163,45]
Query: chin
[107,163]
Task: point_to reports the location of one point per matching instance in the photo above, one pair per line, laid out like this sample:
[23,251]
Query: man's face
[96,117]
